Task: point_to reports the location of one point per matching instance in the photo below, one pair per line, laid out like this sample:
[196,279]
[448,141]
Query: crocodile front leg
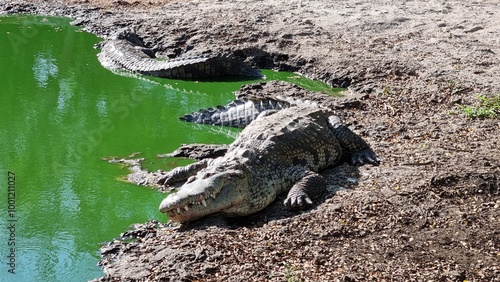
[312,185]
[182,173]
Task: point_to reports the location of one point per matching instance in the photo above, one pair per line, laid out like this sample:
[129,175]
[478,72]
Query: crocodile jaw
[205,196]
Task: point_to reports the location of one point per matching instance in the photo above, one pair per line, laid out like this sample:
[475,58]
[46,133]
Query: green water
[60,113]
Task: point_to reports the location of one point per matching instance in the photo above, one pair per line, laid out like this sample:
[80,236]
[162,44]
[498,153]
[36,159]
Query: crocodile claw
[366,156]
[298,201]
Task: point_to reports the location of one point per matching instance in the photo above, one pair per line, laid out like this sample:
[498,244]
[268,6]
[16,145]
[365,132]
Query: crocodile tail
[126,51]
[238,113]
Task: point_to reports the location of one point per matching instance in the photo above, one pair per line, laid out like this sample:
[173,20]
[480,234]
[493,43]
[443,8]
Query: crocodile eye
[247,154]
[205,175]
[191,179]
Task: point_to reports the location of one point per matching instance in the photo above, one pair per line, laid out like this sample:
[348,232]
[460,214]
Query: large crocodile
[126,51]
[279,151]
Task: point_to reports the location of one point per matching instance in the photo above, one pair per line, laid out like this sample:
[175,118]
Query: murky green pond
[60,113]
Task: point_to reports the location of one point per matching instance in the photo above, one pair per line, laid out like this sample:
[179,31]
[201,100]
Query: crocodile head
[207,193]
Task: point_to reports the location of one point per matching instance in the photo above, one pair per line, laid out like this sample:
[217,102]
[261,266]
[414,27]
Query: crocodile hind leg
[312,185]
[182,173]
[352,144]
[365,156]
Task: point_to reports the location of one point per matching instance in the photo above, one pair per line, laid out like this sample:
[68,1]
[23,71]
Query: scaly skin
[238,113]
[278,152]
[122,52]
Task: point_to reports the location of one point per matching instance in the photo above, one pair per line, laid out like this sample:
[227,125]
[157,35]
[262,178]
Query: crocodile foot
[366,156]
[311,184]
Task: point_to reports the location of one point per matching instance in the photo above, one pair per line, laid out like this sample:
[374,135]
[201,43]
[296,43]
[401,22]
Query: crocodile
[125,51]
[281,150]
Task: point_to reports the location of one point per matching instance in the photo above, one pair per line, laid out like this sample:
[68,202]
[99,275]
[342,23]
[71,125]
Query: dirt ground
[429,212]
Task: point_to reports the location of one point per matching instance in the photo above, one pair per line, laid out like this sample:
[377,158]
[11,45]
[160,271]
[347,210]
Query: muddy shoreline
[430,211]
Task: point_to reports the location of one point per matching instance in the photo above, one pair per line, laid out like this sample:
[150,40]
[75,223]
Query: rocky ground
[429,212]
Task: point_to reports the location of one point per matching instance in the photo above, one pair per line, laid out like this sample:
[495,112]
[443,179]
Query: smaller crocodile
[125,51]
[279,151]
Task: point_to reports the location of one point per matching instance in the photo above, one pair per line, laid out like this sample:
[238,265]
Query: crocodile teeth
[213,196]
[203,202]
[186,207]
[179,210]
